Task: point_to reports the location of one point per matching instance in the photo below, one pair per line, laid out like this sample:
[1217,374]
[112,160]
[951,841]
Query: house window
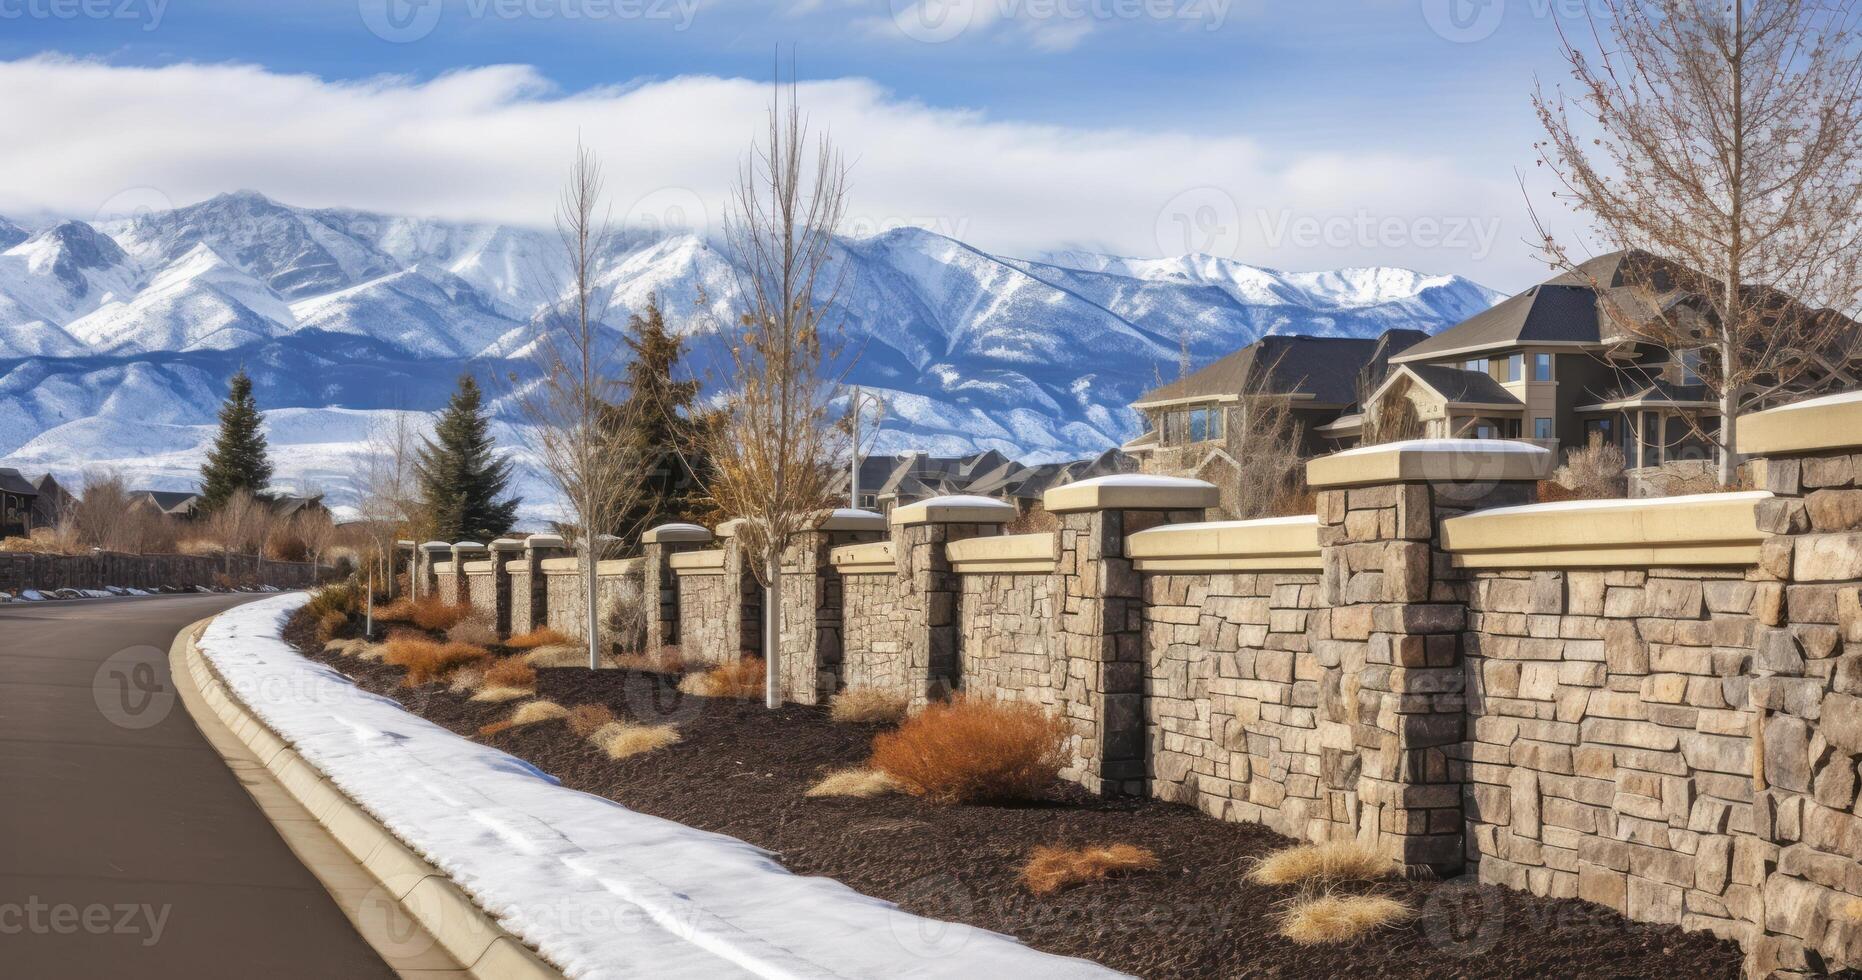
[1199,424]
[1541,367]
[1515,367]
[1486,431]
[1542,428]
[1480,364]
[1600,427]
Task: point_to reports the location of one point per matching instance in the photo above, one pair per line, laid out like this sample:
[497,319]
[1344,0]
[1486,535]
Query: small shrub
[1339,918]
[1594,471]
[587,719]
[544,637]
[973,750]
[429,612]
[342,597]
[668,660]
[621,739]
[427,661]
[466,679]
[862,783]
[495,695]
[558,655]
[476,629]
[1341,860]
[511,672]
[1049,869]
[528,713]
[329,623]
[867,705]
[739,679]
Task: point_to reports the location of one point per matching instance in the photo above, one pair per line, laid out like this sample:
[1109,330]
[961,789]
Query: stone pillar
[1099,614]
[929,589]
[503,552]
[1805,687]
[1393,704]
[426,581]
[811,598]
[657,579]
[529,591]
[459,587]
[406,560]
[743,612]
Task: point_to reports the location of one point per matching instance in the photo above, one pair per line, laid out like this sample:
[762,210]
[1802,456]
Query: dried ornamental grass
[466,679]
[1339,918]
[511,672]
[1341,860]
[544,637]
[1049,869]
[973,750]
[867,705]
[861,783]
[528,713]
[587,719]
[476,629]
[740,679]
[621,740]
[427,661]
[557,655]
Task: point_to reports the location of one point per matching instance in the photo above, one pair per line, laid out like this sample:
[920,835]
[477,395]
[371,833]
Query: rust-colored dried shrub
[587,719]
[975,750]
[476,629]
[867,705]
[739,679]
[427,661]
[429,612]
[544,637]
[328,624]
[1339,918]
[511,672]
[1049,869]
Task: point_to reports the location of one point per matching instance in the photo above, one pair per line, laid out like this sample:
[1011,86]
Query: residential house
[182,505]
[17,498]
[54,501]
[1552,365]
[887,481]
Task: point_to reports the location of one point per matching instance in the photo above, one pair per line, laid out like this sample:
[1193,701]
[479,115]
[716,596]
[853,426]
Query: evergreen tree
[238,459]
[460,479]
[658,420]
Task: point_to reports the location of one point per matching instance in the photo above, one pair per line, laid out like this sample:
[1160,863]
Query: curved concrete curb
[435,916]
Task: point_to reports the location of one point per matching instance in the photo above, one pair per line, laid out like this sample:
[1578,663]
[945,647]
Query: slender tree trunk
[772,632]
[1729,432]
[592,586]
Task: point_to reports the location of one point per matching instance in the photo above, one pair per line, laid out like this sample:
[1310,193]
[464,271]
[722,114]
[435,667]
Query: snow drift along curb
[596,888]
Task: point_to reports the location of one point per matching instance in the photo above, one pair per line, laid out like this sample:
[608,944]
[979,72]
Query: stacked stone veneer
[21,571]
[1654,706]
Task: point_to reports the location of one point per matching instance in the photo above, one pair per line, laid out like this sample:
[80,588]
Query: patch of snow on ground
[600,890]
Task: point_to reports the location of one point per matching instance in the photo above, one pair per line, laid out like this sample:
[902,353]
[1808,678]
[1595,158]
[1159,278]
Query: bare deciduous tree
[1593,472]
[1725,140]
[240,526]
[773,449]
[573,405]
[107,516]
[388,489]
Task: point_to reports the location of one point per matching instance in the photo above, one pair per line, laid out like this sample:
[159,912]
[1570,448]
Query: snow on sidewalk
[600,890]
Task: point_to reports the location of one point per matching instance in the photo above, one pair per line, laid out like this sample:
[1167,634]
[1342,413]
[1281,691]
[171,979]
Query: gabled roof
[12,482]
[1462,387]
[1549,313]
[1322,369]
[169,501]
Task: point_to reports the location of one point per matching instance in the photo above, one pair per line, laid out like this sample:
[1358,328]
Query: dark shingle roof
[168,500]
[1545,313]
[12,482]
[1457,385]
[1324,367]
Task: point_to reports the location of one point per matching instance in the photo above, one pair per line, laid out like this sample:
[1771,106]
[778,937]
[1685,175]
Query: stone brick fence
[20,571]
[1655,705]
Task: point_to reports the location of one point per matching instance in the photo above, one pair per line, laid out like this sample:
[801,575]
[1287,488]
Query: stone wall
[20,571]
[707,623]
[873,652]
[1232,694]
[1007,650]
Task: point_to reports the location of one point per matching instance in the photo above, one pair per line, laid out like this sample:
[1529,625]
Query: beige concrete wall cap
[619,566]
[1432,461]
[442,568]
[848,519]
[538,542]
[729,528]
[863,559]
[560,566]
[959,509]
[437,546]
[677,533]
[1703,529]
[479,567]
[1830,422]
[506,544]
[1274,543]
[1131,491]
[708,562]
[1009,553]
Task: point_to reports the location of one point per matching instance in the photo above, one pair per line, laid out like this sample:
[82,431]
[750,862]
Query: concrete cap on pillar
[1830,422]
[507,544]
[728,529]
[677,533]
[538,542]
[1432,461]
[461,547]
[959,509]
[409,545]
[445,546]
[849,519]
[1131,491]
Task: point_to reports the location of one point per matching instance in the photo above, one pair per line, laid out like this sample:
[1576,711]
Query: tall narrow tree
[658,422]
[461,477]
[238,460]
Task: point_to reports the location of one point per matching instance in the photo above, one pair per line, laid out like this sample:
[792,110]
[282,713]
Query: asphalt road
[127,848]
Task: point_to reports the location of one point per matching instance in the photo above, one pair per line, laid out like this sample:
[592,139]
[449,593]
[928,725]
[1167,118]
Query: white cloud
[493,143]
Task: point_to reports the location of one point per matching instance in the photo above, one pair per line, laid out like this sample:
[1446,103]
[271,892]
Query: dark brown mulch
[742,770]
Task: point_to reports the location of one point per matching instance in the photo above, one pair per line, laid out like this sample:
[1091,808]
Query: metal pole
[368,606]
[853,485]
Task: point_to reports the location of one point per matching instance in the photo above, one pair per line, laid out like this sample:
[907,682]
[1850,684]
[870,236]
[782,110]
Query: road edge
[342,845]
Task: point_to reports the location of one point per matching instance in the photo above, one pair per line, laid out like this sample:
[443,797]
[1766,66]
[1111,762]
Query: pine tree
[461,480]
[657,420]
[238,459]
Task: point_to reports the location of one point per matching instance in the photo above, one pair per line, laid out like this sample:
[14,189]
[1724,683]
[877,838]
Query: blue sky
[1368,87]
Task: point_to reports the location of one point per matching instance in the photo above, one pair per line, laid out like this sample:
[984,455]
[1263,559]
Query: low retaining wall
[21,571]
[1655,705]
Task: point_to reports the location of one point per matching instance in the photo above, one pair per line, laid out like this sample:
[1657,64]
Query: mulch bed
[742,770]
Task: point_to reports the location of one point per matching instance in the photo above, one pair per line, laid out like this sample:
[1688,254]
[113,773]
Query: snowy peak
[10,234]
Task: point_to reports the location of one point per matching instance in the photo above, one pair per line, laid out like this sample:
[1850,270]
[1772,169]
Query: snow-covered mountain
[116,340]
